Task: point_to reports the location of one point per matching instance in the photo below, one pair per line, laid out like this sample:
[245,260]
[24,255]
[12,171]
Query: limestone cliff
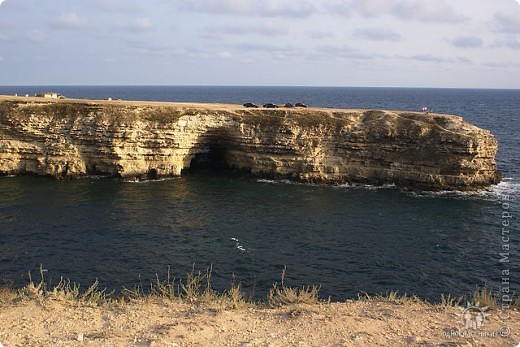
[68,138]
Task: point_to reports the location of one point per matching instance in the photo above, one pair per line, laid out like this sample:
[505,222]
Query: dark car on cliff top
[269,105]
[250,104]
[300,104]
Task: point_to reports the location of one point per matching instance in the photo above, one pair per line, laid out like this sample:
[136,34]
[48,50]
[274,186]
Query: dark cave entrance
[211,159]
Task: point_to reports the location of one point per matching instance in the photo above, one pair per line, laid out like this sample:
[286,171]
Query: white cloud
[70,21]
[508,43]
[142,24]
[1,1]
[467,42]
[225,55]
[36,36]
[507,23]
[437,11]
[137,25]
[344,51]
[244,30]
[377,34]
[1,58]
[118,6]
[318,34]
[429,58]
[265,8]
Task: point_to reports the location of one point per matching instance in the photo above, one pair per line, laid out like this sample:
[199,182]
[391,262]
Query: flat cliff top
[183,105]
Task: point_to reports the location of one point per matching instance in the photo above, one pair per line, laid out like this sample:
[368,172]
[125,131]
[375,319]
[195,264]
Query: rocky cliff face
[148,140]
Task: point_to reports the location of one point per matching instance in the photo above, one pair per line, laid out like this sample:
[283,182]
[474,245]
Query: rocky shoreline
[148,140]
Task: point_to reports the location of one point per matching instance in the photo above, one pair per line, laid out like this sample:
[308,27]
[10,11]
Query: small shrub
[282,295]
[7,293]
[449,301]
[392,296]
[64,290]
[485,297]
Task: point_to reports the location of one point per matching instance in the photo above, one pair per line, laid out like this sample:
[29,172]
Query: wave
[138,181]
[337,186]
[507,187]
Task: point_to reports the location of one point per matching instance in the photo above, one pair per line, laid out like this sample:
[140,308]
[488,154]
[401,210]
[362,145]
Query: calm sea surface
[347,239]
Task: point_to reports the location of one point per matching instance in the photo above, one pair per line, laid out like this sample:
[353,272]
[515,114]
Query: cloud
[377,34]
[264,8]
[506,23]
[239,30]
[70,21]
[119,6]
[318,35]
[1,1]
[36,36]
[344,51]
[224,55]
[430,58]
[509,43]
[138,25]
[1,58]
[435,11]
[467,42]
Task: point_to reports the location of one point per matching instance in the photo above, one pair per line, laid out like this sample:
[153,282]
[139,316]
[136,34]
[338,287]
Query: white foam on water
[285,181]
[508,186]
[238,245]
[138,181]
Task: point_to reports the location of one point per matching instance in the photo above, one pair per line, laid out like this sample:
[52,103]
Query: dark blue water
[348,239]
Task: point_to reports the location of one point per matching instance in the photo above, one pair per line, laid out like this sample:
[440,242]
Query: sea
[349,240]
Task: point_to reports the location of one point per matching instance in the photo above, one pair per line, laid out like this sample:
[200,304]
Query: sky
[370,43]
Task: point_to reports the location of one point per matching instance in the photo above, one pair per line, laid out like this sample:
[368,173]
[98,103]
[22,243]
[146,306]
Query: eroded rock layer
[68,138]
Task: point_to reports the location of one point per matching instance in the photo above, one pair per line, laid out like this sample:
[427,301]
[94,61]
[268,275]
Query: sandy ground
[211,106]
[167,323]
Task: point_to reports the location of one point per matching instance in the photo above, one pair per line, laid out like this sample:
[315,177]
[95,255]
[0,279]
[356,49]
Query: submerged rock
[141,140]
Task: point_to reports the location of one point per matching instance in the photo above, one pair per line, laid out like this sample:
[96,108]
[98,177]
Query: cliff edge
[140,140]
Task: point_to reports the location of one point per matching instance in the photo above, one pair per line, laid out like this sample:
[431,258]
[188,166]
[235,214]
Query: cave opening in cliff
[210,159]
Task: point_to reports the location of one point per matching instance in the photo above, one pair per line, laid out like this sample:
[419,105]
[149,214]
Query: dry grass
[7,294]
[282,295]
[449,301]
[393,297]
[197,289]
[64,290]
[485,297]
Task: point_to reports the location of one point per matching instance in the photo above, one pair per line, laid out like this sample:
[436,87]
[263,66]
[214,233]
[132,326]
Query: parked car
[299,104]
[250,104]
[269,105]
[288,105]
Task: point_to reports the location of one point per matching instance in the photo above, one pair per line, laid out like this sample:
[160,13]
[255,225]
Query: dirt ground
[168,323]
